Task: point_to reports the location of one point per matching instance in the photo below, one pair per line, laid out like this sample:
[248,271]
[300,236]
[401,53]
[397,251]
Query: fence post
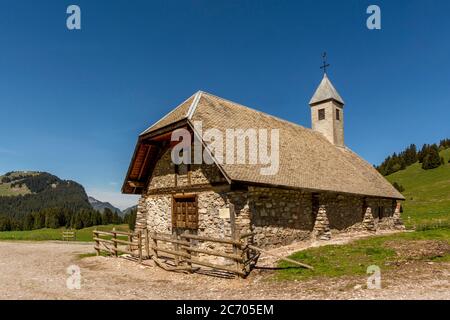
[140,245]
[238,250]
[189,263]
[236,237]
[147,243]
[177,248]
[97,243]
[155,244]
[115,242]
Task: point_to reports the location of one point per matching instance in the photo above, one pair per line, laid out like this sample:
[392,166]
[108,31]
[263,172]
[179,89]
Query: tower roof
[326,91]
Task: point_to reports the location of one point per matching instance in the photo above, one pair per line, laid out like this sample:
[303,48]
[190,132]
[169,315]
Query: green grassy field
[55,234]
[427,193]
[354,258]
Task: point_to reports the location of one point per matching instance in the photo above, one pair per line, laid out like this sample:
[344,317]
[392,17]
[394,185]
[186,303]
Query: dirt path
[37,270]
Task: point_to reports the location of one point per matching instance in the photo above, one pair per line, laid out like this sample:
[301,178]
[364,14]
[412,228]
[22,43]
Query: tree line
[55,218]
[428,156]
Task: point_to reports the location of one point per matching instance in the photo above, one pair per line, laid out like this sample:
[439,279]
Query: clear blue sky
[73,102]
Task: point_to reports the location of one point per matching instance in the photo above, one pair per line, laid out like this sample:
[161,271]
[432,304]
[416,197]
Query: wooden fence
[68,235]
[183,252]
[187,252]
[118,242]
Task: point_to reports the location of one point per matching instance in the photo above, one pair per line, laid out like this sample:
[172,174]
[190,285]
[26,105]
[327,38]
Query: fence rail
[182,252]
[111,243]
[69,235]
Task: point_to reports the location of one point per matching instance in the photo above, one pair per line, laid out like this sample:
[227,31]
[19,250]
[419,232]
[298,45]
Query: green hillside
[8,186]
[23,192]
[427,193]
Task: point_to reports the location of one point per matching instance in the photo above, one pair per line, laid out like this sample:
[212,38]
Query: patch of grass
[427,193]
[6,190]
[355,257]
[55,234]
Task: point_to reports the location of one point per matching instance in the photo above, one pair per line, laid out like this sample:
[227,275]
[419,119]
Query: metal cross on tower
[325,64]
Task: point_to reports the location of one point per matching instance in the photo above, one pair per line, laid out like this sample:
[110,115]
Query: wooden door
[185,212]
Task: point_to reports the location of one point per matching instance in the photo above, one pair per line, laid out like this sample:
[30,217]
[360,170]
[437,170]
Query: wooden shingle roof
[307,160]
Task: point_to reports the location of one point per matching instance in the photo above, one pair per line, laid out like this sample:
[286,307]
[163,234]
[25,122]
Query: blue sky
[73,102]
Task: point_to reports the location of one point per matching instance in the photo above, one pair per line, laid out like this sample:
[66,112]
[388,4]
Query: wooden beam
[281,257]
[144,162]
[136,184]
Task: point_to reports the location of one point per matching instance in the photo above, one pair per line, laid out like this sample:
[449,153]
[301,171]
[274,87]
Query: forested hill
[25,193]
[423,177]
[428,156]
[34,200]
[30,200]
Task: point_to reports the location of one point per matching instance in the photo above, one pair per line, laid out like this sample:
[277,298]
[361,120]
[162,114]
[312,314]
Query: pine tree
[107,216]
[431,159]
[132,219]
[399,187]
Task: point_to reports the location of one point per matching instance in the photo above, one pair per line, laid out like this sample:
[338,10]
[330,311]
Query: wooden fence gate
[69,235]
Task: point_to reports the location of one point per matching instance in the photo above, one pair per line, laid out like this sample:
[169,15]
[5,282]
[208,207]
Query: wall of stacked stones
[155,213]
[388,205]
[278,216]
[164,175]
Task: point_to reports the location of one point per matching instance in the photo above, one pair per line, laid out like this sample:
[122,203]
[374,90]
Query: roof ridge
[170,112]
[194,104]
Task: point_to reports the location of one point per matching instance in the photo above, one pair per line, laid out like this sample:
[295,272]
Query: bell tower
[327,111]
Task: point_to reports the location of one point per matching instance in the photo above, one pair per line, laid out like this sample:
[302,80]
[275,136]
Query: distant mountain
[100,206]
[128,210]
[24,192]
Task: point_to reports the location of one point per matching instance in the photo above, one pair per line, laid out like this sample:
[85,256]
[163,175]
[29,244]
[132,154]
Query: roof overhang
[146,153]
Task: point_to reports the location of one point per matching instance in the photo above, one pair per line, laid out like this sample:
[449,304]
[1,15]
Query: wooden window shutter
[185,212]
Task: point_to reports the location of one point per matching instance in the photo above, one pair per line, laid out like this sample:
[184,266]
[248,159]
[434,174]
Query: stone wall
[282,216]
[210,202]
[383,212]
[278,216]
[164,175]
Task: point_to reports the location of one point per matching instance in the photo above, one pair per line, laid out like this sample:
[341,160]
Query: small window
[321,114]
[338,114]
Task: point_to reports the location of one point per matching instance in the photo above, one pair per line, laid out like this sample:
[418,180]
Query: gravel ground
[37,270]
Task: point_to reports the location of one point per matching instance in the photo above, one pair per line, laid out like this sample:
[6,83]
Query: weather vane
[325,64]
